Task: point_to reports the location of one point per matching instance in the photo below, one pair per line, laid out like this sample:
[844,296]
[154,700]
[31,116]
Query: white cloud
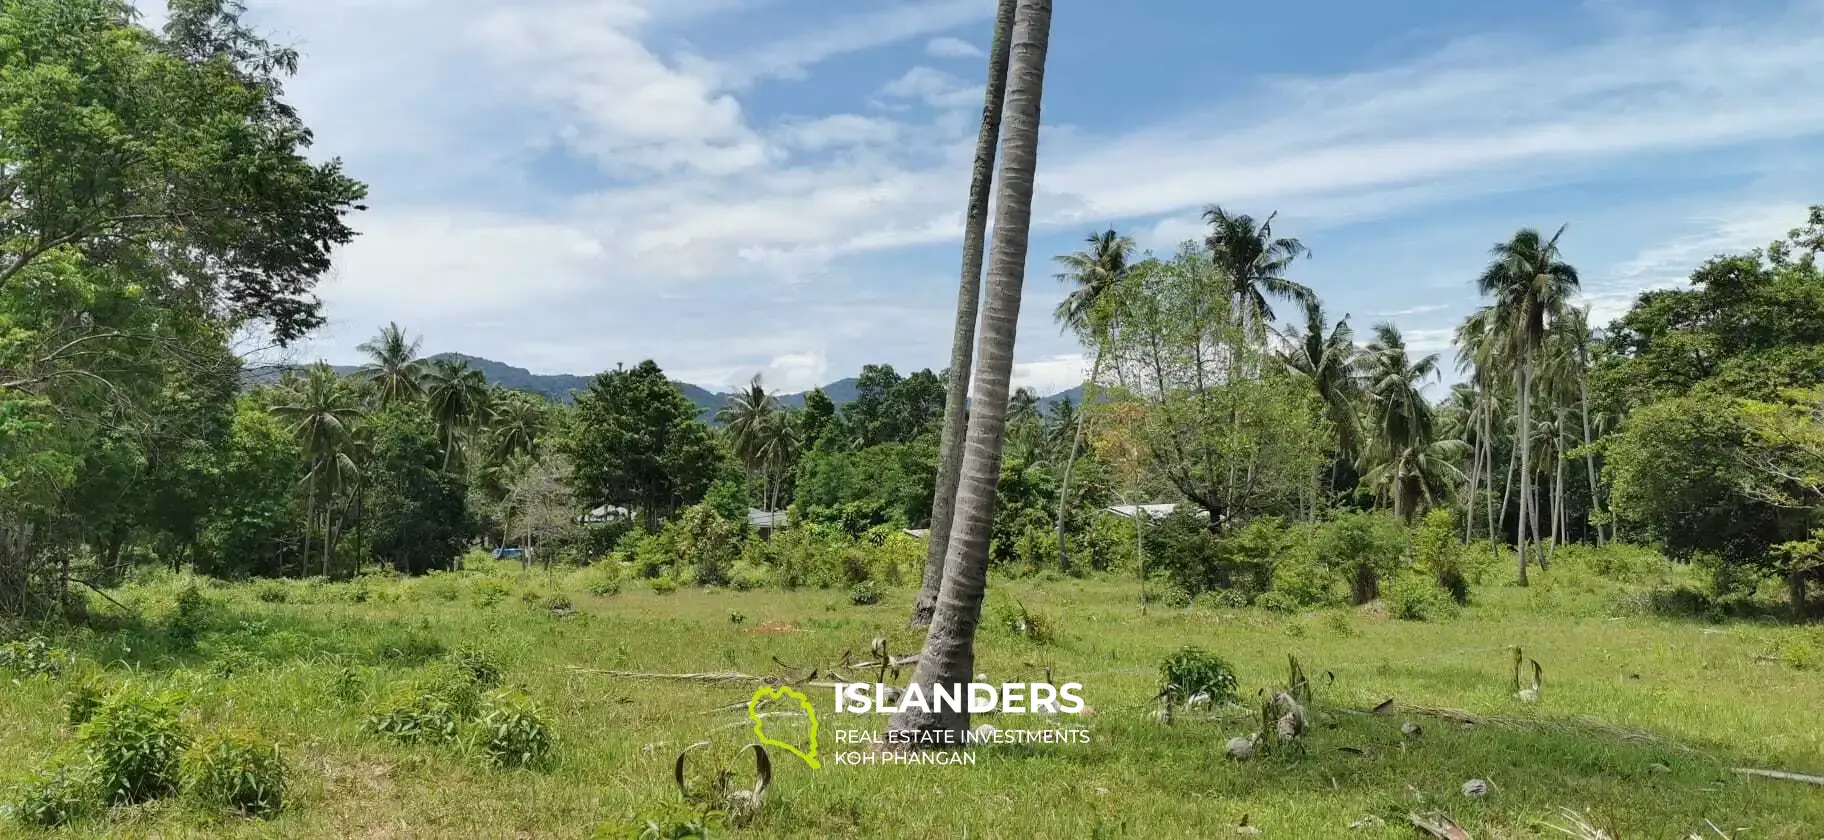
[1052,374]
[948,47]
[685,186]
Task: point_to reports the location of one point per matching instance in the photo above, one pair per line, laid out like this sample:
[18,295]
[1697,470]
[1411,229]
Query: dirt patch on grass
[773,628]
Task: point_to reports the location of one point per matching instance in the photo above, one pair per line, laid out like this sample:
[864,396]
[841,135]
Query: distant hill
[563,387]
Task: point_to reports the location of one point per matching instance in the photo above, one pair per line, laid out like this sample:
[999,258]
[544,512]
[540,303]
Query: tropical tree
[458,398]
[393,368]
[948,658]
[1325,357]
[321,412]
[962,342]
[1531,285]
[1405,463]
[1254,261]
[1094,273]
[748,421]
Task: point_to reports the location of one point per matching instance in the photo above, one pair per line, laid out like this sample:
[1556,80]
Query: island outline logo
[777,693]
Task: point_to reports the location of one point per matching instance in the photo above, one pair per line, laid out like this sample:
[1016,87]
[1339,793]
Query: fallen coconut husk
[1439,826]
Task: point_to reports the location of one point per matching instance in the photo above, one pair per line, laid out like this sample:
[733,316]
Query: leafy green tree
[818,416]
[634,440]
[254,525]
[417,510]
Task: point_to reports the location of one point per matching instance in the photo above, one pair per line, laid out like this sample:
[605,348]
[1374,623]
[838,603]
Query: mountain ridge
[563,387]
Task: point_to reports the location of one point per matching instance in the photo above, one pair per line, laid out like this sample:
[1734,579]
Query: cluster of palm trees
[764,436]
[1524,355]
[326,412]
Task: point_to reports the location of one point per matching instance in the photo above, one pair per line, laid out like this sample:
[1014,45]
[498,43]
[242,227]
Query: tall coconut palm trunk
[1525,443]
[1076,441]
[962,342]
[948,658]
[1589,456]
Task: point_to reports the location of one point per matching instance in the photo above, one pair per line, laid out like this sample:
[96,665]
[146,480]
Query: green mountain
[563,387]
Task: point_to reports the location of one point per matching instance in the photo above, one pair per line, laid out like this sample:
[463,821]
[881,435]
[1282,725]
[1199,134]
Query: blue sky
[776,186]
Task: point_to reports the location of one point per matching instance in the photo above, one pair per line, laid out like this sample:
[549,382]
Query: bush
[512,733]
[272,592]
[1363,548]
[1031,625]
[865,594]
[490,591]
[134,740]
[34,657]
[745,577]
[190,617]
[479,667]
[1191,671]
[1439,553]
[409,648]
[1416,597]
[663,585]
[54,796]
[83,702]
[237,772]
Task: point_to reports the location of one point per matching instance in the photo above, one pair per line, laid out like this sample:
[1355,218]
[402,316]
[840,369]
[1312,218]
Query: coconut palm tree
[747,419]
[779,445]
[1531,285]
[968,297]
[321,412]
[1325,357]
[1089,311]
[1255,263]
[394,368]
[1404,463]
[948,658]
[458,397]
[515,429]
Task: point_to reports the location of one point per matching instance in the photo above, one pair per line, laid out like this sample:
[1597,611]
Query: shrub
[34,657]
[557,603]
[1363,547]
[134,740]
[490,591]
[349,684]
[1438,552]
[512,733]
[237,772]
[603,587]
[1191,671]
[1175,596]
[663,585]
[272,592]
[479,667]
[865,594]
[1416,597]
[1031,625]
[82,703]
[409,648]
[417,716]
[56,795]
[746,577]
[190,618]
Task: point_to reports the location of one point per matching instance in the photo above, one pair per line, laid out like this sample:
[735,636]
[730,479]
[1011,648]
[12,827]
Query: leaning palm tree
[962,341]
[458,397]
[948,657]
[1255,263]
[1325,357]
[1090,312]
[394,368]
[1531,285]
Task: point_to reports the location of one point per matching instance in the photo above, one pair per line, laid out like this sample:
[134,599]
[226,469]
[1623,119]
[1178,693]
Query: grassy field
[1640,721]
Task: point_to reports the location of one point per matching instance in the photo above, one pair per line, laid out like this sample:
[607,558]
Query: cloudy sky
[776,186]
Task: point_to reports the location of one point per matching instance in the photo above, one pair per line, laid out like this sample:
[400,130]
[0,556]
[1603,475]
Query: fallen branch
[1781,774]
[710,677]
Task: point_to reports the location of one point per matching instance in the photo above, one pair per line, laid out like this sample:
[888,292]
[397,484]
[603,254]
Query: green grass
[305,667]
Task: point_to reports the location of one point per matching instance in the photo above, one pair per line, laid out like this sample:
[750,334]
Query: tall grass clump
[134,740]
[237,772]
